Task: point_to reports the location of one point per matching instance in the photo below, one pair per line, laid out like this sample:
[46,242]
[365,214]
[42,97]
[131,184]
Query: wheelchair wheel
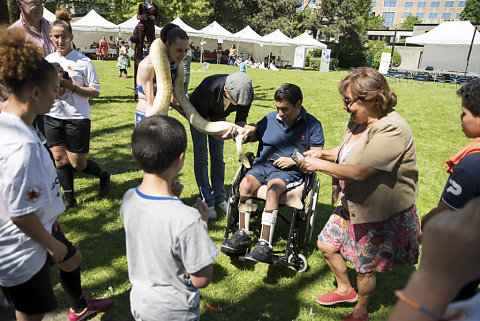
[311,210]
[298,262]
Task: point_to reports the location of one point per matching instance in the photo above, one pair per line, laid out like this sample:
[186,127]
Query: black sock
[92,169]
[72,286]
[65,176]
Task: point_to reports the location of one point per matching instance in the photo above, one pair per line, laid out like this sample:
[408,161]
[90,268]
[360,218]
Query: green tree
[397,59]
[471,12]
[342,20]
[372,21]
[234,15]
[279,14]
[13,11]
[409,22]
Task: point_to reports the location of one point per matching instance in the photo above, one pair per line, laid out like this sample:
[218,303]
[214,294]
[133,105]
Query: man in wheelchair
[281,133]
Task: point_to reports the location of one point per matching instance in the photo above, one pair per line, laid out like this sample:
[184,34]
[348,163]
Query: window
[389,19]
[374,4]
[461,4]
[435,4]
[408,4]
[433,15]
[421,15]
[390,3]
[449,4]
[406,14]
[447,15]
[421,4]
[457,16]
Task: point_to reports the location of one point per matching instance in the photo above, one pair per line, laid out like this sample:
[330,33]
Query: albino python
[159,57]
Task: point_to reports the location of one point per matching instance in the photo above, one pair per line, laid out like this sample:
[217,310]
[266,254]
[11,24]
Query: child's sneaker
[94,306]
[119,75]
[125,77]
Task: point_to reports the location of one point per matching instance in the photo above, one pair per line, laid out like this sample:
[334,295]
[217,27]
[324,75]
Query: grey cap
[239,86]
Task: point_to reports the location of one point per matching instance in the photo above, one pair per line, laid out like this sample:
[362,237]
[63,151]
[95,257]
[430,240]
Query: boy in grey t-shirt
[169,252]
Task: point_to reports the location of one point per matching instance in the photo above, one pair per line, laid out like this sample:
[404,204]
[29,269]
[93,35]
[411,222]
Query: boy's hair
[470,93]
[290,92]
[157,142]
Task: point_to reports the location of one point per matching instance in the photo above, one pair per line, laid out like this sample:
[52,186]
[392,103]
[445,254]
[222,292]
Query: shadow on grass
[112,99]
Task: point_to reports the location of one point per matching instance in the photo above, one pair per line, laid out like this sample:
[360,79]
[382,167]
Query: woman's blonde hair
[371,87]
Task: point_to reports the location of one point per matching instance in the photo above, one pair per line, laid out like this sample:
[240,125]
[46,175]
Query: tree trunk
[4,13]
[13,11]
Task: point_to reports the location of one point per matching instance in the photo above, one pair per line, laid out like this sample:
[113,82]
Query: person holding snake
[177,44]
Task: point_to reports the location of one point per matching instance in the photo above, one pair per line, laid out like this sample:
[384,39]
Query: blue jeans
[214,193]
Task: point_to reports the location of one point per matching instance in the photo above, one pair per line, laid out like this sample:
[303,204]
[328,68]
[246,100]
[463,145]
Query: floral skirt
[374,246]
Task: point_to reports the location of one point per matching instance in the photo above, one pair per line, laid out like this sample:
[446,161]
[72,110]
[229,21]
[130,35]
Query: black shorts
[73,133]
[36,296]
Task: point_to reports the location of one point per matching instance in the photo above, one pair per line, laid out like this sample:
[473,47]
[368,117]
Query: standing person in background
[215,98]
[187,62]
[148,13]
[30,199]
[67,125]
[219,53]
[232,56]
[37,30]
[103,48]
[123,60]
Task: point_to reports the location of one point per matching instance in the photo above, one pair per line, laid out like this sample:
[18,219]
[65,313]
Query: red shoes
[352,318]
[334,298]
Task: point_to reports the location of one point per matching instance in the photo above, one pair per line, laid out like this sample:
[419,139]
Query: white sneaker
[211,213]
[223,206]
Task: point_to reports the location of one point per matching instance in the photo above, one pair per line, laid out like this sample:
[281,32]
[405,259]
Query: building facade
[394,12]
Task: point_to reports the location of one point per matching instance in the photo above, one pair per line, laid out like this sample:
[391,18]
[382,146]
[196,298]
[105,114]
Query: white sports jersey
[80,68]
[28,184]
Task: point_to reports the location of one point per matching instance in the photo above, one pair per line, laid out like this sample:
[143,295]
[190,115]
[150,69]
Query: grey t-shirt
[164,239]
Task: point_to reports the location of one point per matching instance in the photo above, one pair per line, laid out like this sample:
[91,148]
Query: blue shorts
[139,115]
[266,172]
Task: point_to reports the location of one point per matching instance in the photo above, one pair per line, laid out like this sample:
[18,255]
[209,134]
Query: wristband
[74,89]
[399,294]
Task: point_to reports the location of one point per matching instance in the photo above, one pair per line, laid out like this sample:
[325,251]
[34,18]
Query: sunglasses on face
[349,102]
[33,4]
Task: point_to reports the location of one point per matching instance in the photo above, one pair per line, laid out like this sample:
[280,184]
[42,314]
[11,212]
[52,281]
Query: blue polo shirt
[276,137]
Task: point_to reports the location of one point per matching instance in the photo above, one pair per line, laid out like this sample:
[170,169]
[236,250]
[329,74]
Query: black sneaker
[238,243]
[104,183]
[261,253]
[69,203]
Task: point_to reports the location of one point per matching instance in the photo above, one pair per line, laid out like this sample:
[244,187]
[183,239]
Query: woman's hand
[309,164]
[57,251]
[284,162]
[314,153]
[228,134]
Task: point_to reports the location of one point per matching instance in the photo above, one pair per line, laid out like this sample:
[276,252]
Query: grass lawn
[247,291]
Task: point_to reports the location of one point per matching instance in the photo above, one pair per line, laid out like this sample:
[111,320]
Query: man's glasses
[349,102]
[33,4]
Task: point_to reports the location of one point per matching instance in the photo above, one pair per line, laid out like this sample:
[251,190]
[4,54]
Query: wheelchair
[303,201]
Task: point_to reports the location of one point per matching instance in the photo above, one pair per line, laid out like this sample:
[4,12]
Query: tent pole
[269,55]
[393,48]
[201,51]
[470,50]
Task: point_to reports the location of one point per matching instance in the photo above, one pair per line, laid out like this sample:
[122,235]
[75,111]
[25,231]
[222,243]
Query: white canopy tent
[307,41]
[91,28]
[130,24]
[189,30]
[446,47]
[279,45]
[48,15]
[248,41]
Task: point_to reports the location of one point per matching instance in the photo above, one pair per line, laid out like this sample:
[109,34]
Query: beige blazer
[387,146]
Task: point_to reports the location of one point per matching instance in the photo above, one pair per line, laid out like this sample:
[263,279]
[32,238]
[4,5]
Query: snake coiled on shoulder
[161,103]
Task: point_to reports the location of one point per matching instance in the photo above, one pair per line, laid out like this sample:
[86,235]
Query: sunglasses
[349,102]
[33,4]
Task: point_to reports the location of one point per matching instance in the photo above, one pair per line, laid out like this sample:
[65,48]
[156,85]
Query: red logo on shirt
[33,194]
[303,137]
